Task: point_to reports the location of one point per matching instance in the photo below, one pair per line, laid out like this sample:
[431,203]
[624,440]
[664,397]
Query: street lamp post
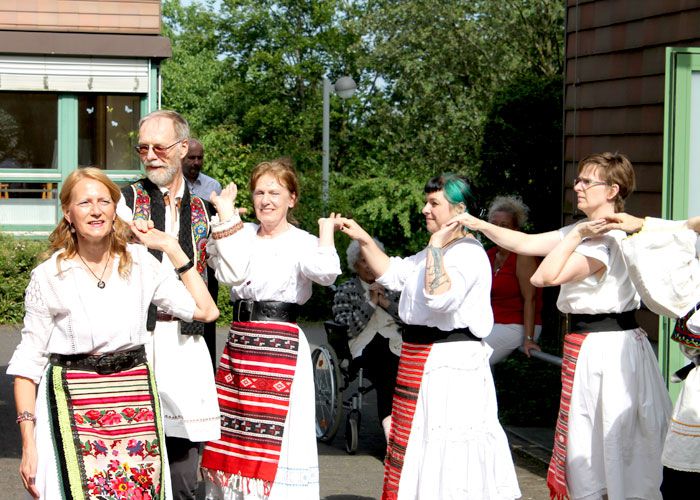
[344,87]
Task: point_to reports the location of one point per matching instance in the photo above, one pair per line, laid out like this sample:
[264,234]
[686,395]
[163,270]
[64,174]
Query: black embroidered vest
[145,200]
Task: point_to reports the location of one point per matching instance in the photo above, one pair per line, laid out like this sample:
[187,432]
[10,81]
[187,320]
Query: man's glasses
[587,183]
[160,151]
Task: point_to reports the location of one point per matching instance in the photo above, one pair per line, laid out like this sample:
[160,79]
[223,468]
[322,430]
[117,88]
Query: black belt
[604,322]
[420,334]
[265,310]
[104,364]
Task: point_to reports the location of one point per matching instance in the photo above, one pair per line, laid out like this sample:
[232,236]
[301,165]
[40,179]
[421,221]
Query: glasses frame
[586,183]
[159,151]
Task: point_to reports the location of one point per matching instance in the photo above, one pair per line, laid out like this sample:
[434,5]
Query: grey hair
[353,252]
[512,205]
[182,128]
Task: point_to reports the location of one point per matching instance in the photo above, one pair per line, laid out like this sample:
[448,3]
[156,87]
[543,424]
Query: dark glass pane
[108,131]
[28,130]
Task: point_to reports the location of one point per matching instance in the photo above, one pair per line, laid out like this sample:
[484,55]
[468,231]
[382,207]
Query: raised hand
[151,237]
[469,221]
[625,222]
[592,228]
[448,232]
[225,202]
[354,230]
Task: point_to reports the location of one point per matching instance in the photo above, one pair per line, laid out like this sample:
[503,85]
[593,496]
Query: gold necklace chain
[100,282]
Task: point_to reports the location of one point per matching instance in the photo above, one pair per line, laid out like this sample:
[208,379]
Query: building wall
[614,95]
[103,16]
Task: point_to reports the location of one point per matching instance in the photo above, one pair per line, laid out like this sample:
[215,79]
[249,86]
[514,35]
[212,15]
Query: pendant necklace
[100,283]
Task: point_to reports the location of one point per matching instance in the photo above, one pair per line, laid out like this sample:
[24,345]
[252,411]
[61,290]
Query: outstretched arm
[521,243]
[377,260]
[205,307]
[563,265]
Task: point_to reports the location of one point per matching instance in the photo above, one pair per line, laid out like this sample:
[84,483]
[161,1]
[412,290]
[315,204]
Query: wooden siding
[614,95]
[95,16]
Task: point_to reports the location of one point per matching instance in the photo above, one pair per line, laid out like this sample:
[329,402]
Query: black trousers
[678,484]
[380,367]
[183,457]
[210,328]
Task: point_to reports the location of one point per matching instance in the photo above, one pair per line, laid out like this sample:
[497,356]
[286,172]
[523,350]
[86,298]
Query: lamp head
[345,87]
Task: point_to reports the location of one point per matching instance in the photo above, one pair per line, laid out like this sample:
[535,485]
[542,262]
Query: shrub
[17,258]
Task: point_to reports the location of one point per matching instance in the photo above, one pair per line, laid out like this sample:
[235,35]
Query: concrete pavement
[343,477]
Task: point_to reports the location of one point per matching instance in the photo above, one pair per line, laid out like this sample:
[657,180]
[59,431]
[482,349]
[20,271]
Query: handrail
[544,356]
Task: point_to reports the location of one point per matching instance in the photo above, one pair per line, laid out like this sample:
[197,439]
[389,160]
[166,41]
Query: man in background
[202,185]
[198,183]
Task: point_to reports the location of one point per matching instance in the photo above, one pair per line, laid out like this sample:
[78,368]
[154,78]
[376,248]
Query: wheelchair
[331,378]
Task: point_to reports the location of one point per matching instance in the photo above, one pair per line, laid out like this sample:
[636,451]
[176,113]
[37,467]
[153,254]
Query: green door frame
[675,197]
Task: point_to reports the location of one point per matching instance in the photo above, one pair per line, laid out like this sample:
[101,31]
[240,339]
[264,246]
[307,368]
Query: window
[108,131]
[24,144]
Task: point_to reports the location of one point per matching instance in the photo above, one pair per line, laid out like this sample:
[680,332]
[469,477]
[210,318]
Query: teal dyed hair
[456,190]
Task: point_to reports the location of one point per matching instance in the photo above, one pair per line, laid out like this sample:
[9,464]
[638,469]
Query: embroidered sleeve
[31,356]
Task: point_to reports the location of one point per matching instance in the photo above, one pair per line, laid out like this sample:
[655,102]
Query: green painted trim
[67,139]
[154,91]
[675,196]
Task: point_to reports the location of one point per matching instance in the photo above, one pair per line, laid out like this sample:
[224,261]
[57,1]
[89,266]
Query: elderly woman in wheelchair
[369,315]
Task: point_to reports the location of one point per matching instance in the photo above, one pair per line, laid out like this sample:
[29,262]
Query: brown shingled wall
[96,16]
[614,97]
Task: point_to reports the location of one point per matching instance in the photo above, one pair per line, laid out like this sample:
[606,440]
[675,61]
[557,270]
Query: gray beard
[162,177]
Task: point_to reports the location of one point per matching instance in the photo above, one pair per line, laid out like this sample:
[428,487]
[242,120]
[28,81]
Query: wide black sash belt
[420,334]
[265,310]
[604,322]
[104,364]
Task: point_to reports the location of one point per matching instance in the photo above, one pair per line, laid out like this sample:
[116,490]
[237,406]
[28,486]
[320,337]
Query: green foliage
[430,73]
[521,148]
[17,258]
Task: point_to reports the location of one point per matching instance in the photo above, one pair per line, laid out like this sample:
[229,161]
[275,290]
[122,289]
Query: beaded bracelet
[228,232]
[25,416]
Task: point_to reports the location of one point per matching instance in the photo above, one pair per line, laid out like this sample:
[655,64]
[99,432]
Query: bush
[17,258]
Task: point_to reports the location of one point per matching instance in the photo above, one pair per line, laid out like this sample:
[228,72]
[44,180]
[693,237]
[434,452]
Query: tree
[427,73]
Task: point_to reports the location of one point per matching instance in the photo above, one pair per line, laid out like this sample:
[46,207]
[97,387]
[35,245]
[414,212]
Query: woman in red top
[516,303]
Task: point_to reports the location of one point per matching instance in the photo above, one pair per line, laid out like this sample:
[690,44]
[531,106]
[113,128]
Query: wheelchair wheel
[352,431]
[329,404]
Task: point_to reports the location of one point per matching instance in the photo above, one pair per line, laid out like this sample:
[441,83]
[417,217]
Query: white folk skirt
[185,380]
[619,414]
[457,449]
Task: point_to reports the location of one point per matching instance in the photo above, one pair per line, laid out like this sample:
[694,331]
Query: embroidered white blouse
[466,304]
[66,313]
[280,268]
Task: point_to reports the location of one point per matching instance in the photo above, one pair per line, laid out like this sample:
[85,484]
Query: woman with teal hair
[445,440]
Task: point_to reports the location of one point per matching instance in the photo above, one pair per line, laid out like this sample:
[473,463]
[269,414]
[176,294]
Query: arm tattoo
[435,273]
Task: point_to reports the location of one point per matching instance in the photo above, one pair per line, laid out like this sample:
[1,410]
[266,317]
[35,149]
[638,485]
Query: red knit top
[506,300]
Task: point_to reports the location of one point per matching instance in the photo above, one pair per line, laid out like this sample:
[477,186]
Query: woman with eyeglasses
[94,429]
[614,406]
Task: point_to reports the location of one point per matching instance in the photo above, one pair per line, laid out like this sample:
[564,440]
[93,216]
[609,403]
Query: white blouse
[614,292]
[280,268]
[466,304]
[66,313]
